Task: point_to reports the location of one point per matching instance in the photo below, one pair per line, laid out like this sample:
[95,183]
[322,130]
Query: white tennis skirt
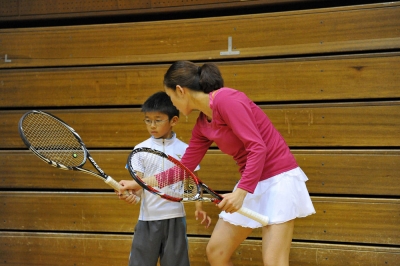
[282,198]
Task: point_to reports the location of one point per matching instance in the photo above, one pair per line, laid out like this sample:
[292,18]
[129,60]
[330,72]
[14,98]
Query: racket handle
[262,219]
[114,184]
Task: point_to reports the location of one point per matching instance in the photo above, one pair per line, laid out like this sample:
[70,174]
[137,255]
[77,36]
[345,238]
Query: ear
[174,120]
[179,90]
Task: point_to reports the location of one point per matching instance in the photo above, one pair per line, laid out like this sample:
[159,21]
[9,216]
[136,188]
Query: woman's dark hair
[160,102]
[206,78]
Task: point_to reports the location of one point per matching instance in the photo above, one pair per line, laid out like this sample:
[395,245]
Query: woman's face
[179,99]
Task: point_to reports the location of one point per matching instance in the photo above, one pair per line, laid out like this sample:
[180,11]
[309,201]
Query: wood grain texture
[21,248]
[345,172]
[373,124]
[282,33]
[20,10]
[341,220]
[371,76]
[355,220]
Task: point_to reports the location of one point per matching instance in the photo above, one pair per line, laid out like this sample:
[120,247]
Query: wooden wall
[326,73]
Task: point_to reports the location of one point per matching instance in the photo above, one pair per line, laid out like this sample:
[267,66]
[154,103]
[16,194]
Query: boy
[161,228]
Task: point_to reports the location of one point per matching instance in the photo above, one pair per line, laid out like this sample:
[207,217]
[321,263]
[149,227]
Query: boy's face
[158,124]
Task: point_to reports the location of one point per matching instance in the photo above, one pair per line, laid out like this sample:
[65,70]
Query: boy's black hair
[160,102]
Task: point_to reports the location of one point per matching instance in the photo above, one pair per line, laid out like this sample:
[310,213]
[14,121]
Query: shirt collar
[162,141]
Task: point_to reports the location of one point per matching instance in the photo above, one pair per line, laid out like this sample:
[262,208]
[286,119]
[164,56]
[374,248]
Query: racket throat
[97,167]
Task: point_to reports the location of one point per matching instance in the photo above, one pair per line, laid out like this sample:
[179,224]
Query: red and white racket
[167,177]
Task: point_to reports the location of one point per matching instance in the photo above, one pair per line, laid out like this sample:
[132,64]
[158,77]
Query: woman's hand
[232,202]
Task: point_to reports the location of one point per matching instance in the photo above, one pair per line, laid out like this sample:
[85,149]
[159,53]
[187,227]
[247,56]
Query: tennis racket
[59,145]
[167,177]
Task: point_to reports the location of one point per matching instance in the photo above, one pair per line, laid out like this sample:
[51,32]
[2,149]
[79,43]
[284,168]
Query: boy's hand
[134,191]
[205,219]
[199,213]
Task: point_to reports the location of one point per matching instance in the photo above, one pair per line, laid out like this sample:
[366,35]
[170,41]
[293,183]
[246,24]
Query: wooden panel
[97,86]
[321,78]
[351,172]
[312,125]
[356,220]
[349,220]
[44,249]
[302,254]
[67,211]
[334,125]
[63,249]
[38,9]
[332,255]
[284,33]
[23,170]
[8,8]
[324,78]
[80,212]
[364,172]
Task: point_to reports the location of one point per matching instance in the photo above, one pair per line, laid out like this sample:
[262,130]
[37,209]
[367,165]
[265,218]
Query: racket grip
[262,219]
[114,184]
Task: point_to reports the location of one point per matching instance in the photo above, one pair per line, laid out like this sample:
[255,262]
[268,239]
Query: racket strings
[53,140]
[170,178]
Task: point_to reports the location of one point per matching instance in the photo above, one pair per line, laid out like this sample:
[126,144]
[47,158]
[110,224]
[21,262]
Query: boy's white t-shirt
[153,207]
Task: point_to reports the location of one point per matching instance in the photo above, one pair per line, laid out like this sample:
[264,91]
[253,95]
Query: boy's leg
[146,244]
[224,240]
[175,245]
[277,239]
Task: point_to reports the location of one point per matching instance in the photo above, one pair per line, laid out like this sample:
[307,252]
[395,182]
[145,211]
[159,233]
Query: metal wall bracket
[229,52]
[6,59]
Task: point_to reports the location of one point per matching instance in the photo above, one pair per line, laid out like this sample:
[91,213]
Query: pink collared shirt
[242,130]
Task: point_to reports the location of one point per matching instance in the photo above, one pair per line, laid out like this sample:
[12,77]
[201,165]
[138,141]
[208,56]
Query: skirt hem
[260,225]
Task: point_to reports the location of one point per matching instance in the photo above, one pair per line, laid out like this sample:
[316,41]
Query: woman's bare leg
[277,239]
[224,241]
[226,238]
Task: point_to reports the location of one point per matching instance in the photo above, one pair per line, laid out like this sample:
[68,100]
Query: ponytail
[210,78]
[206,78]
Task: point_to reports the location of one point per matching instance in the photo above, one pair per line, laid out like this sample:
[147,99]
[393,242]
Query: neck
[201,102]
[168,135]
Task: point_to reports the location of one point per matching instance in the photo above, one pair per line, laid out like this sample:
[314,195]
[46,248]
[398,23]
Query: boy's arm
[133,185]
[199,213]
[133,188]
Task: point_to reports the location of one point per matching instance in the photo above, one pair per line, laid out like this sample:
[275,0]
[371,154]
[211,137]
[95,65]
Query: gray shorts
[165,239]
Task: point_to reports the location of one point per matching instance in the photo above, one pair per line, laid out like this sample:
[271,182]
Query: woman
[271,181]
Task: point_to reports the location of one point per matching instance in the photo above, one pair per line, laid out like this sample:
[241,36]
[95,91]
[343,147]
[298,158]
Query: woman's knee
[211,250]
[217,255]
